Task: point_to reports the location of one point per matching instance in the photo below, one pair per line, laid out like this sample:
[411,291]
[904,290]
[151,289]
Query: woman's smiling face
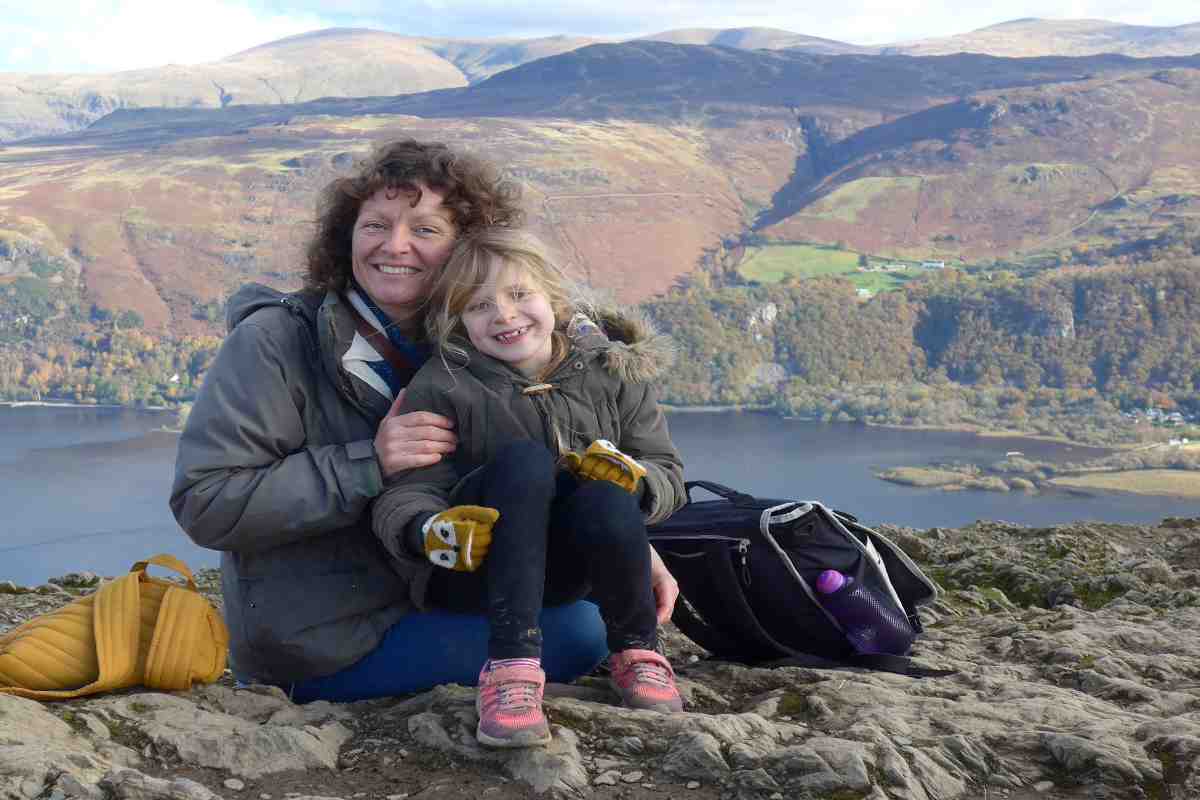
[399,246]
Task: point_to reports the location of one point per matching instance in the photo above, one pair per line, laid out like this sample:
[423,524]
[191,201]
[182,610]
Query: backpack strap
[730,612]
[167,561]
[700,631]
[897,665]
[720,490]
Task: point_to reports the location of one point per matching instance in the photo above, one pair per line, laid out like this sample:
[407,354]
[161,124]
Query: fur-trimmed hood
[630,346]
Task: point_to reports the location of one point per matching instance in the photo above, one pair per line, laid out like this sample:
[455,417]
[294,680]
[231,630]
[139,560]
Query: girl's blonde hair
[468,269]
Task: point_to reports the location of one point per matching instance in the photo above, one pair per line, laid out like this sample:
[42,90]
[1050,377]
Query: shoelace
[650,672]
[517,694]
[520,692]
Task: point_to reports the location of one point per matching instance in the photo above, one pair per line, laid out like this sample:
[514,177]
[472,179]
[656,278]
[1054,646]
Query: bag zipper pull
[743,553]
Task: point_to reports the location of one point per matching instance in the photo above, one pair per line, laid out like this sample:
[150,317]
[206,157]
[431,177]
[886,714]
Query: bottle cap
[830,581]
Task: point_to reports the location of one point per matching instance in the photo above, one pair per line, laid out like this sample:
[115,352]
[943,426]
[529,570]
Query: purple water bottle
[871,625]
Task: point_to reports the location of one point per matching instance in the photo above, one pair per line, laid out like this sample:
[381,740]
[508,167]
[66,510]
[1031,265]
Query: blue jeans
[423,650]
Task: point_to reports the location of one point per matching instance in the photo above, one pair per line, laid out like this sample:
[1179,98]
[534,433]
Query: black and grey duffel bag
[749,571]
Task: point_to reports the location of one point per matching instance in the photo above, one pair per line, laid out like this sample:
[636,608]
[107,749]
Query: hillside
[337,62]
[164,231]
[1044,155]
[757,39]
[1024,175]
[144,223]
[1066,37]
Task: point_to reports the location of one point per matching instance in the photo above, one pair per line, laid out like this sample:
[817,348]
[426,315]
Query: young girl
[563,458]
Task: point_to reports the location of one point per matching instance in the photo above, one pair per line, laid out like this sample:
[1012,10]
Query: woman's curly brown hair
[475,194]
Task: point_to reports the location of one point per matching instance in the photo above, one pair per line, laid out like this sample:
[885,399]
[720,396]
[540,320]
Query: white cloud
[104,35]
[107,35]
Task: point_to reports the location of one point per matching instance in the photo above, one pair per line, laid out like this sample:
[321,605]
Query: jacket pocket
[314,624]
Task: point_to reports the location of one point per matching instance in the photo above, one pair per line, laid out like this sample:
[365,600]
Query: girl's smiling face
[510,319]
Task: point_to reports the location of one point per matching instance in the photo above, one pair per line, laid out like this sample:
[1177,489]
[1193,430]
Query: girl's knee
[608,504]
[527,459]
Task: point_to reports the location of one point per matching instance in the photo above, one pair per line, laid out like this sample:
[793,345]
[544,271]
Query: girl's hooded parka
[605,388]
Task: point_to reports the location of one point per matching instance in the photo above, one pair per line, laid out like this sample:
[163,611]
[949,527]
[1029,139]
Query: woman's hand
[415,439]
[666,588]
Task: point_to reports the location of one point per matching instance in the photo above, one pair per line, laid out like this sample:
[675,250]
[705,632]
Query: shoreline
[982,433]
[66,404]
[994,433]
[670,409]
[1154,482]
[1160,483]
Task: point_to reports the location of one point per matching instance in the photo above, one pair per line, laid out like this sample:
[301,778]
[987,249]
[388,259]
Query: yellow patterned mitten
[602,461]
[459,537]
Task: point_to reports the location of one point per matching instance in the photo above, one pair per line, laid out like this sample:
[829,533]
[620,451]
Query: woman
[297,429]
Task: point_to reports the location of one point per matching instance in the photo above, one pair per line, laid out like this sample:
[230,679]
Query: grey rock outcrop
[1077,659]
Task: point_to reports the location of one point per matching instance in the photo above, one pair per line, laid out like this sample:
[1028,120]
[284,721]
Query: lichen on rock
[1077,675]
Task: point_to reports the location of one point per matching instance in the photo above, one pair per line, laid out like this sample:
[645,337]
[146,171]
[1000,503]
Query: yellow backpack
[134,630]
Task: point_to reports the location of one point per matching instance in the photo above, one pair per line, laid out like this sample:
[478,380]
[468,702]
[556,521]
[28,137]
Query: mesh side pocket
[871,621]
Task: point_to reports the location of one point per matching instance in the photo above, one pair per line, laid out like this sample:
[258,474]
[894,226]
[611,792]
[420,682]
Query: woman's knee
[574,640]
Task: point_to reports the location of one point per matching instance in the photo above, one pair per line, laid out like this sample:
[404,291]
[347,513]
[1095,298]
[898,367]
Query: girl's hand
[415,439]
[602,461]
[666,588]
[459,537]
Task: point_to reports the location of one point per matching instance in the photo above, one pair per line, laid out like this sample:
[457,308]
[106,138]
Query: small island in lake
[1171,470]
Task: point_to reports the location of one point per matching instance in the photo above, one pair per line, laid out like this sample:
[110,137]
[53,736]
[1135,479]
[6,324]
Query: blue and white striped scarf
[416,352]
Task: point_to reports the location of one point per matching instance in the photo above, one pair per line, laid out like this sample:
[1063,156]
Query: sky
[111,35]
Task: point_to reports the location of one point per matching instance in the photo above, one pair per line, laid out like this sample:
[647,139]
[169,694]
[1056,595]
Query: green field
[877,282]
[773,263]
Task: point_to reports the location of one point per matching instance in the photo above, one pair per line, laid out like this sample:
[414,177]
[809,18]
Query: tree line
[1062,353]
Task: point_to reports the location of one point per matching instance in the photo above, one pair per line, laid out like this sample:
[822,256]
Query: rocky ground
[1078,676]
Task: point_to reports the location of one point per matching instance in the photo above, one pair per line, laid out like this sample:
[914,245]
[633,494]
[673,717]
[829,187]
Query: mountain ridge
[632,81]
[1032,36]
[293,70]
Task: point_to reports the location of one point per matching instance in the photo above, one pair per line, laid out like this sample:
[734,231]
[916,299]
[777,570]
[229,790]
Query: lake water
[86,488]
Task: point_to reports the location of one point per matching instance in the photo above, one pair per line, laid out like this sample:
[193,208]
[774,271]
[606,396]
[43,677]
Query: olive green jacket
[277,469]
[604,389]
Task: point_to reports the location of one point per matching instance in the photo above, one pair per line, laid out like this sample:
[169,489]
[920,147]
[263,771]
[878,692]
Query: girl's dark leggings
[557,540]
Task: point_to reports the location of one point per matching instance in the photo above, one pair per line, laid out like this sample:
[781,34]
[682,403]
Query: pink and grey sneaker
[644,679]
[509,703]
